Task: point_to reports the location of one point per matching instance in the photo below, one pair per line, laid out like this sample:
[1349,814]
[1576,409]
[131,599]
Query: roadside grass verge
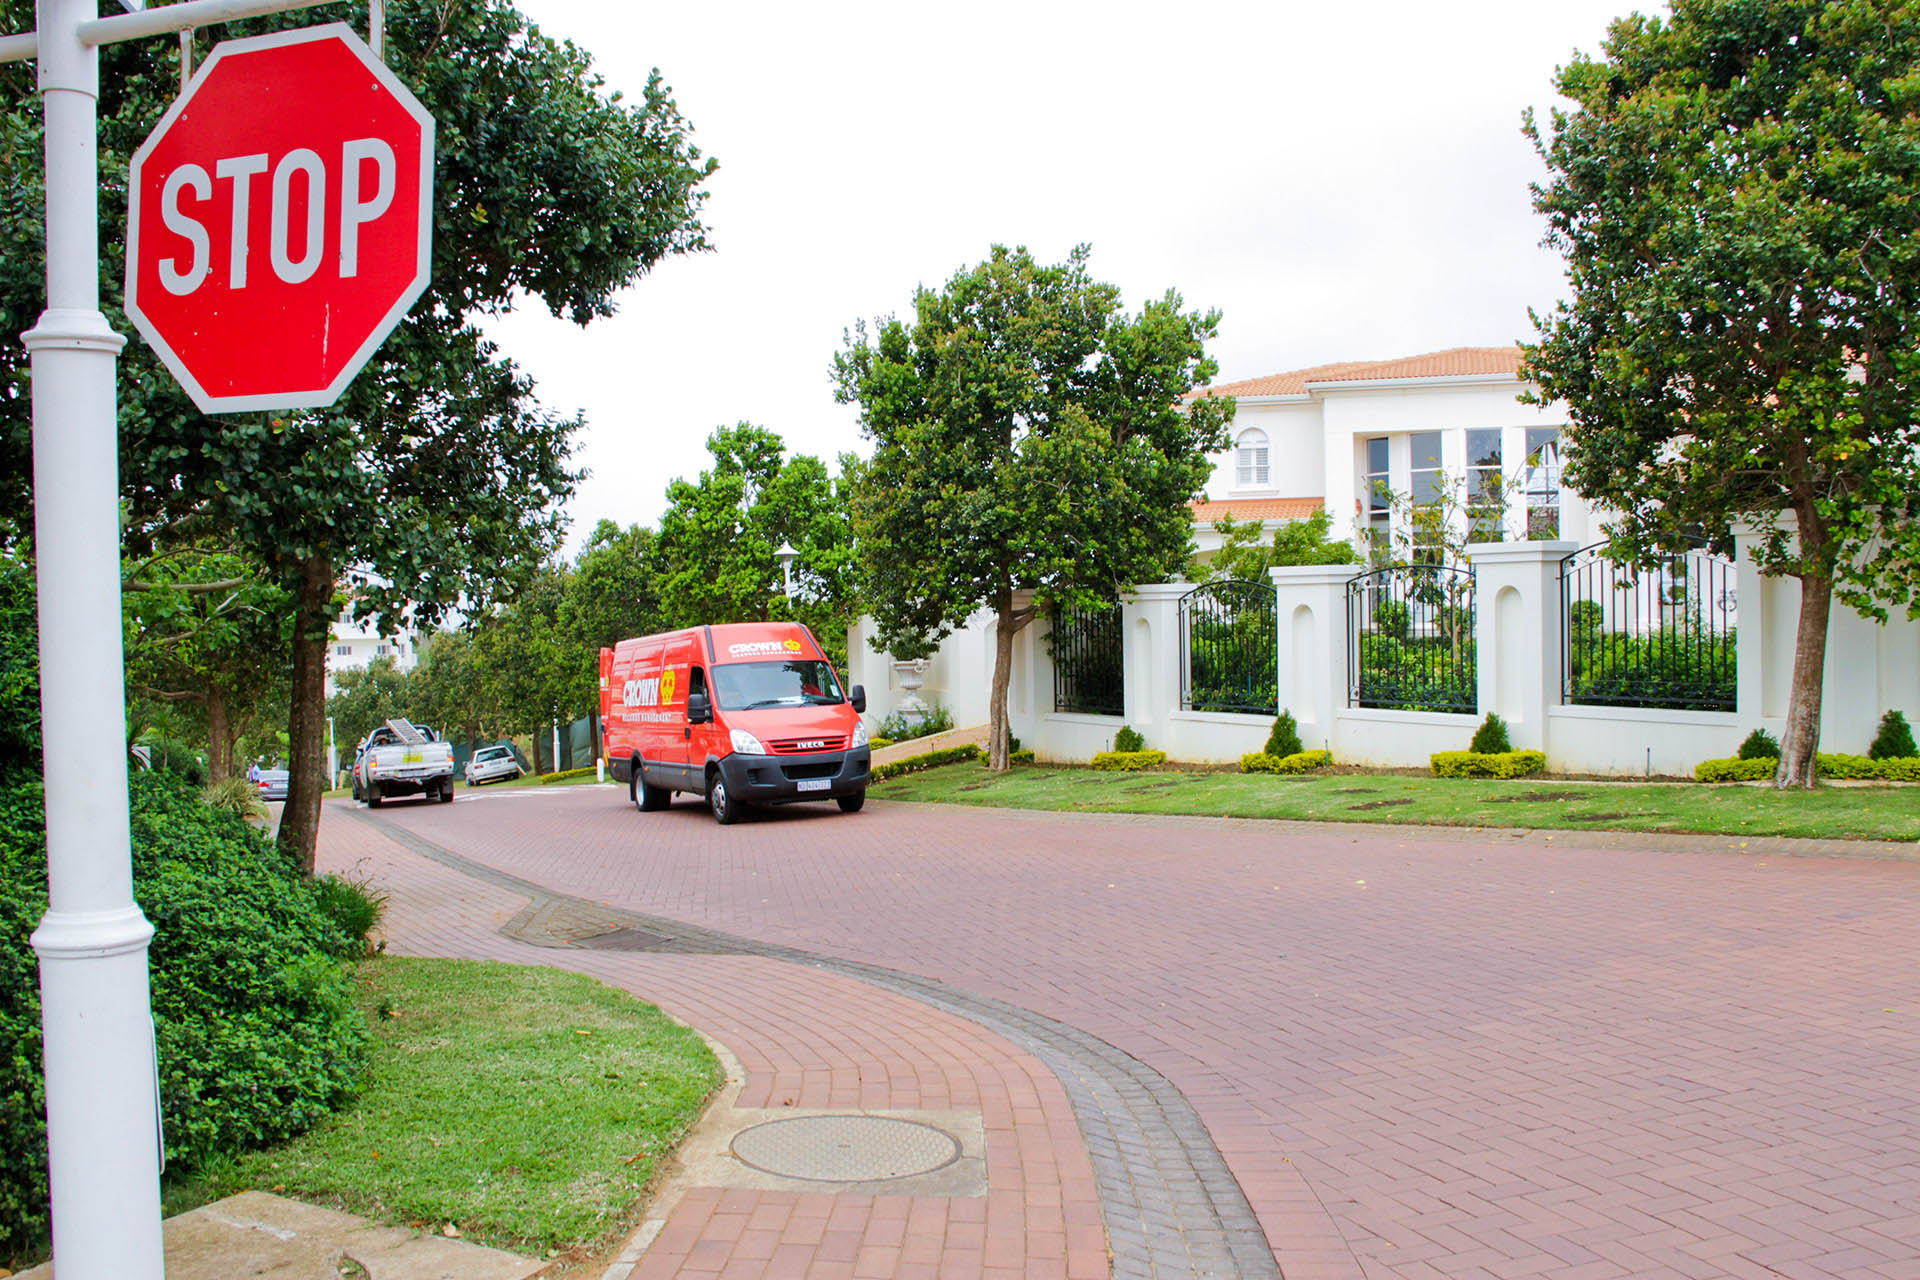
[528,1107]
[1828,813]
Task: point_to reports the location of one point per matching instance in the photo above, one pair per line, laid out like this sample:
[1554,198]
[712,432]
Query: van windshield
[744,686]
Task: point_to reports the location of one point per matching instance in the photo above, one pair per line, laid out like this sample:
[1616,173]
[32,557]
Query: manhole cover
[845,1148]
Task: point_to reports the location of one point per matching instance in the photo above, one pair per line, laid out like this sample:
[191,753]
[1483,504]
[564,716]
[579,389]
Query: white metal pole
[96,1014]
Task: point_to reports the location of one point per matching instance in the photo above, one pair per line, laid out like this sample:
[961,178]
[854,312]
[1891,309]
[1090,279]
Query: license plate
[411,757]
[815,784]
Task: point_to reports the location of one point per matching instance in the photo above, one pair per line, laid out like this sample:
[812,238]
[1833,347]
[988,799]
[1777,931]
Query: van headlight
[746,743]
[859,734]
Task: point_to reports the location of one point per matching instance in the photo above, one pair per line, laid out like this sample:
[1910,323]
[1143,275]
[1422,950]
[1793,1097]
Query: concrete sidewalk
[1018,1196]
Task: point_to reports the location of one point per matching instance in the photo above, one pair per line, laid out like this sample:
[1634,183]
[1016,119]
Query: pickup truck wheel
[446,791]
[373,796]
[726,811]
[852,803]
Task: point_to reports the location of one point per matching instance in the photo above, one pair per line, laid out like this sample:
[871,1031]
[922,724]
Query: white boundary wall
[1871,668]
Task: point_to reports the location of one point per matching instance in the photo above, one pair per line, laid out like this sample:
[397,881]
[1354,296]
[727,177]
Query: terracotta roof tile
[1452,363]
[1256,509]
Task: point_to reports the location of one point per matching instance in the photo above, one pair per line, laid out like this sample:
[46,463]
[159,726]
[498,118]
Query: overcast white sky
[1343,181]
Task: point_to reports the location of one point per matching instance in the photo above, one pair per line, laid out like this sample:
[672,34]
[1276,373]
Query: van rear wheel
[646,797]
[726,811]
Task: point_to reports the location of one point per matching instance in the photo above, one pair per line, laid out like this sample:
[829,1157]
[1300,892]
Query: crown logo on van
[666,687]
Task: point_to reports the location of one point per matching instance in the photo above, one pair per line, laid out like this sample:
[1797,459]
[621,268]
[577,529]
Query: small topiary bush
[1022,756]
[1127,761]
[1285,739]
[1128,741]
[1294,762]
[1895,739]
[1490,739]
[1487,764]
[1759,745]
[913,764]
[257,1032]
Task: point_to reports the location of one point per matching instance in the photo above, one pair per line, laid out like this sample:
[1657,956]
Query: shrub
[913,764]
[1585,618]
[1895,739]
[566,774]
[898,727]
[1490,739]
[1127,761]
[1760,745]
[1285,738]
[235,795]
[1735,769]
[1487,764]
[1023,756]
[876,743]
[1293,762]
[1393,618]
[1899,768]
[355,907]
[1128,740]
[1840,765]
[256,1029]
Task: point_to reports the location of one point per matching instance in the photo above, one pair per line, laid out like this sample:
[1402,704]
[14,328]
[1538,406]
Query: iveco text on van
[747,713]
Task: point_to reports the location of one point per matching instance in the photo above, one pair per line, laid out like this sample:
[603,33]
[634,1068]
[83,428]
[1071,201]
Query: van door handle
[687,733]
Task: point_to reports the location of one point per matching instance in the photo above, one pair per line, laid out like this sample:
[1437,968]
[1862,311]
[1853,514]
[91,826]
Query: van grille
[806,746]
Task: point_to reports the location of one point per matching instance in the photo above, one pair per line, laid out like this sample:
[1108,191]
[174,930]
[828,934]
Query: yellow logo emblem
[666,687]
[793,646]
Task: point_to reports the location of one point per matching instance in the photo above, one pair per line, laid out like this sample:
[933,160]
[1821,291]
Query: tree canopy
[1031,447]
[1734,194]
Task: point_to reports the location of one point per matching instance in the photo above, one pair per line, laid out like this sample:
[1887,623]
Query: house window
[1543,483]
[1424,493]
[1486,488]
[1250,471]
[343,651]
[381,648]
[1379,497]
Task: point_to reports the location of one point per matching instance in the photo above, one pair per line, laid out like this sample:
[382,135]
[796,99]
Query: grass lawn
[1833,813]
[526,1106]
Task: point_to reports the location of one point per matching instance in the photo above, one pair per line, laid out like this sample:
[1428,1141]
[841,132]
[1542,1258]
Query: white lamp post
[786,555]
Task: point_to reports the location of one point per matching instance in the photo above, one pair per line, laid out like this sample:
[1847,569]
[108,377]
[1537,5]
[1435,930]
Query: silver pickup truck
[401,758]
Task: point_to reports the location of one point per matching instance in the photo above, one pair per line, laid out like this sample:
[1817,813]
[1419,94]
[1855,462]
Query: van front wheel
[725,811]
[852,803]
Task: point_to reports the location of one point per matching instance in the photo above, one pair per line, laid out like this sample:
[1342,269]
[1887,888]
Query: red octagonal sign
[279,220]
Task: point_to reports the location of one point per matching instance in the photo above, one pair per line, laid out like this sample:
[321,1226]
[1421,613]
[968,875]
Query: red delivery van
[747,713]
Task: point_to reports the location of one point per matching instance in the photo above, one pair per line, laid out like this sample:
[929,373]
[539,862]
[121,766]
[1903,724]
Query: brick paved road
[1484,1059]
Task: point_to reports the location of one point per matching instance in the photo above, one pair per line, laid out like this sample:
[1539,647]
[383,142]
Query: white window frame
[1249,473]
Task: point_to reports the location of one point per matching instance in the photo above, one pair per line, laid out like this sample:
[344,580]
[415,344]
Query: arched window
[1251,460]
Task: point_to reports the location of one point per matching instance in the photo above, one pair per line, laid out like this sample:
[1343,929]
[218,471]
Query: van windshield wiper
[766,702]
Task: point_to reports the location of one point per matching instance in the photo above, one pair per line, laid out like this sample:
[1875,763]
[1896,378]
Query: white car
[489,763]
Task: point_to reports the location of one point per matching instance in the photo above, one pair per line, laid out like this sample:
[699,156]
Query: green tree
[437,471]
[365,698]
[1734,197]
[719,535]
[1029,438]
[1242,556]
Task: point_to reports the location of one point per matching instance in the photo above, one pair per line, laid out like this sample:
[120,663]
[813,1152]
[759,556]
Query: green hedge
[1127,761]
[1837,766]
[913,764]
[1735,769]
[257,1031]
[1023,756]
[566,774]
[1296,762]
[1482,764]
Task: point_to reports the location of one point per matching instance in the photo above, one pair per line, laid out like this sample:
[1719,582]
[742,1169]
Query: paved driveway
[1486,1057]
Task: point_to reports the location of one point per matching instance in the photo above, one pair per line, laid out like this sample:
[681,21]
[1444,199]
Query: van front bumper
[786,779]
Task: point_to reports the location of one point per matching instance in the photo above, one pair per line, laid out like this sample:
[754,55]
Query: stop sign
[279,220]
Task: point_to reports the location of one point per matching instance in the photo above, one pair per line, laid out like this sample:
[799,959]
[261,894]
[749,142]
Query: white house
[354,647]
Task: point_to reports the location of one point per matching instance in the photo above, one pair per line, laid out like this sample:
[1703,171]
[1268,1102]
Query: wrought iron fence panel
[1089,675]
[1410,639]
[1230,648]
[1663,635]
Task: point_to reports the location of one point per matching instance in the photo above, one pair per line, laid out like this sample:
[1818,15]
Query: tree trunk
[1004,628]
[1802,738]
[220,734]
[307,721]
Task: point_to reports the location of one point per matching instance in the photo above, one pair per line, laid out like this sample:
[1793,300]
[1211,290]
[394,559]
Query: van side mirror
[698,712]
[858,697]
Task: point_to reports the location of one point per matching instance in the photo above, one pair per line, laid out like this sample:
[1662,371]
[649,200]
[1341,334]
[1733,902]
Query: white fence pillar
[1150,641]
[1519,633]
[1311,618]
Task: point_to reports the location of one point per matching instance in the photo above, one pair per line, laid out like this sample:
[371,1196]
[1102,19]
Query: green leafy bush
[355,907]
[566,774]
[1127,761]
[236,795]
[1899,768]
[1842,765]
[1735,769]
[1487,764]
[1585,618]
[1292,762]
[1679,668]
[876,743]
[257,1033]
[1128,740]
[1233,656]
[1760,745]
[1022,756]
[898,727]
[1285,738]
[913,764]
[1393,619]
[1895,739]
[1490,739]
